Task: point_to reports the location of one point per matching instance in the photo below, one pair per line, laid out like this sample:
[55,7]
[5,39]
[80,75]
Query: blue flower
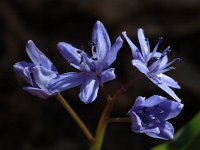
[93,69]
[38,73]
[150,116]
[153,64]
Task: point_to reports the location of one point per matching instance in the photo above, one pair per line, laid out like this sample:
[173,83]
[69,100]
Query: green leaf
[186,138]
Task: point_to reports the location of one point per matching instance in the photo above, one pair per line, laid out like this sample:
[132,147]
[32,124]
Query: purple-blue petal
[101,39]
[140,66]
[136,125]
[135,52]
[170,108]
[42,76]
[66,81]
[89,89]
[42,93]
[24,69]
[169,81]
[165,87]
[152,101]
[143,43]
[107,75]
[166,132]
[71,54]
[37,57]
[112,53]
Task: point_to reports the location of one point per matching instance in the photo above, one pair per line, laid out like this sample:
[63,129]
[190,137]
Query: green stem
[75,117]
[102,125]
[104,119]
[101,128]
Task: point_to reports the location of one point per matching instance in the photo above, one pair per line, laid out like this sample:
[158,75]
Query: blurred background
[30,123]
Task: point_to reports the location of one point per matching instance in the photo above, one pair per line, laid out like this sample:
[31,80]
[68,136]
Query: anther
[166,50]
[161,111]
[157,106]
[160,39]
[81,60]
[150,125]
[92,44]
[151,61]
[79,51]
[94,58]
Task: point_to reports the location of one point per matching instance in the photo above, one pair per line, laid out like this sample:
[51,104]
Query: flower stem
[101,128]
[104,119]
[75,117]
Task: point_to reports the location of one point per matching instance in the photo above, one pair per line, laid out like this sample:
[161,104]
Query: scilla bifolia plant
[147,115]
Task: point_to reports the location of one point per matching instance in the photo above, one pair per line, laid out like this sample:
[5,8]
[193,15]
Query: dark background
[30,123]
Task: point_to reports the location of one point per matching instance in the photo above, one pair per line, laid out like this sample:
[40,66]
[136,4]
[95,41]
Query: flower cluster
[148,116]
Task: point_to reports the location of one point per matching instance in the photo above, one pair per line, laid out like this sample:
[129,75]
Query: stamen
[69,63]
[32,77]
[165,52]
[81,60]
[164,70]
[79,51]
[150,125]
[92,44]
[161,111]
[156,46]
[94,58]
[157,106]
[147,41]
[170,63]
[158,121]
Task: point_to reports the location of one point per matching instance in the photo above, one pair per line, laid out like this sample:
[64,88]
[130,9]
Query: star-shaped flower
[150,116]
[93,69]
[153,64]
[38,73]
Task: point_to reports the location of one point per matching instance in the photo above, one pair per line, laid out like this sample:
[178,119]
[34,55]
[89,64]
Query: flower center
[150,116]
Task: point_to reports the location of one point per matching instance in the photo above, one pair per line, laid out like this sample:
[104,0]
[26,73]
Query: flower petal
[140,66]
[171,109]
[37,57]
[165,88]
[136,125]
[112,54]
[139,100]
[101,39]
[71,54]
[89,90]
[152,101]
[24,69]
[42,93]
[42,76]
[169,81]
[107,75]
[143,43]
[66,81]
[166,132]
[135,52]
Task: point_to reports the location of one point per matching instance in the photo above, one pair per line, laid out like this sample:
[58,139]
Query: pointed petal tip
[61,45]
[181,106]
[29,42]
[140,30]
[124,33]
